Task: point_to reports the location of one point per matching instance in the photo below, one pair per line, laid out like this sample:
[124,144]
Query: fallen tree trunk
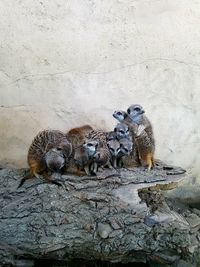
[100,217]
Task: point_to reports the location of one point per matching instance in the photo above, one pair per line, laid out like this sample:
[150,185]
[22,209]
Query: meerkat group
[84,150]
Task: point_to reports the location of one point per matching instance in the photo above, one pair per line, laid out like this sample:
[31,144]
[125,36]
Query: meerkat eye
[119,113]
[59,148]
[115,129]
[122,132]
[137,109]
[125,149]
[89,144]
[128,111]
[108,145]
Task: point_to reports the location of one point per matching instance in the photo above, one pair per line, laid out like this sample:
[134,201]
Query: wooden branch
[100,217]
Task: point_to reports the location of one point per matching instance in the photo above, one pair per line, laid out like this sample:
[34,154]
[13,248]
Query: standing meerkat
[144,136]
[49,152]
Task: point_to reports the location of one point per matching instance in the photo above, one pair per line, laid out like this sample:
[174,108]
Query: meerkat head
[55,159]
[135,112]
[121,130]
[114,147]
[111,136]
[126,146]
[120,115]
[66,147]
[90,147]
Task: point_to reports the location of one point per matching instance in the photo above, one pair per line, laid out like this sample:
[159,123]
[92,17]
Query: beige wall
[65,63]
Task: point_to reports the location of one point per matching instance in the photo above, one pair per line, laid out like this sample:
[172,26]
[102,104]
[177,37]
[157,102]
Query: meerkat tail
[27,177]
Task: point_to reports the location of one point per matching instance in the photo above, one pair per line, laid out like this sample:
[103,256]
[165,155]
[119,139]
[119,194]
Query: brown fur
[144,139]
[45,141]
[102,155]
[77,137]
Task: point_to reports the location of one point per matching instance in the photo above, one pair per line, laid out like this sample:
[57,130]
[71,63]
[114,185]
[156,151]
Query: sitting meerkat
[126,158]
[120,152]
[49,152]
[127,131]
[122,131]
[114,148]
[102,156]
[78,164]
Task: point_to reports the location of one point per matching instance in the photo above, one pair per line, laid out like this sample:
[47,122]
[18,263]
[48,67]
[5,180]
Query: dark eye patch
[119,113]
[59,148]
[128,110]
[122,132]
[89,144]
[137,109]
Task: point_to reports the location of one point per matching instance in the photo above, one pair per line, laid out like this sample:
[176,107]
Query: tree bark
[100,217]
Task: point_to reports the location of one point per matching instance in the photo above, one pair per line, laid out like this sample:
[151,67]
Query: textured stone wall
[65,63]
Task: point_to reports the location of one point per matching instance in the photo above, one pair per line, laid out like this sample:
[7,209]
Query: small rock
[104,229]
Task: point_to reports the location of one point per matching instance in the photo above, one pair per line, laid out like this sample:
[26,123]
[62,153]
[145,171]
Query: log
[116,216]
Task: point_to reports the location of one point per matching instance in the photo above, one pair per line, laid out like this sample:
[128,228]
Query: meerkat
[102,156]
[49,151]
[90,149]
[111,136]
[78,164]
[114,148]
[131,160]
[144,136]
[122,131]
[128,154]
[122,116]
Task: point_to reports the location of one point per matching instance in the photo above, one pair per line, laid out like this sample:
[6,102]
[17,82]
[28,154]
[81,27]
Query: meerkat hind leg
[49,179]
[149,161]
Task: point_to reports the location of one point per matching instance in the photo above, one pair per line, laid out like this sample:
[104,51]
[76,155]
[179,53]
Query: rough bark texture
[99,218]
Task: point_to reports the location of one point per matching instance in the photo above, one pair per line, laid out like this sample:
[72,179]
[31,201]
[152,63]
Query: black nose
[128,111]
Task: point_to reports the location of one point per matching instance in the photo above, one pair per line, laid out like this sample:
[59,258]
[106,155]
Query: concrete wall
[66,63]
